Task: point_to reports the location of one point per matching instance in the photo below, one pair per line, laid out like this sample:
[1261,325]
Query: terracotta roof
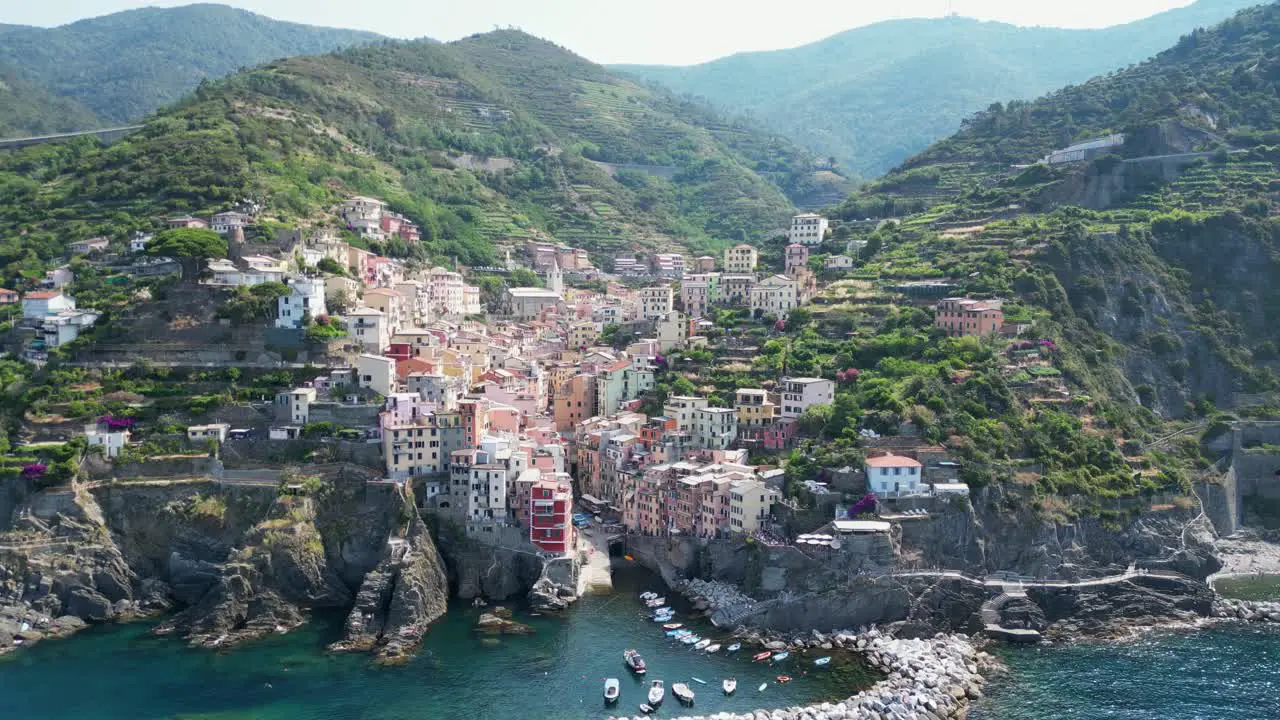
[891,461]
[42,295]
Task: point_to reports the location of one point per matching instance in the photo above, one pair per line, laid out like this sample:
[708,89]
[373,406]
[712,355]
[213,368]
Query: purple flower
[34,470]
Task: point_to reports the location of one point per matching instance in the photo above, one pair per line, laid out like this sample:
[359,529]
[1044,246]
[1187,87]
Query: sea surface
[120,671]
[1225,672]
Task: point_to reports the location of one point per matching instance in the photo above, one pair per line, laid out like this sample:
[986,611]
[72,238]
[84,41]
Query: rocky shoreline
[926,679]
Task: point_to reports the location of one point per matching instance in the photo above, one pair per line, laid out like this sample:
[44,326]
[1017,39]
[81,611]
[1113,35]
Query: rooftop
[891,460]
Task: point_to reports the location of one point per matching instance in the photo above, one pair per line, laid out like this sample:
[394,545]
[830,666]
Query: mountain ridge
[125,65]
[784,88]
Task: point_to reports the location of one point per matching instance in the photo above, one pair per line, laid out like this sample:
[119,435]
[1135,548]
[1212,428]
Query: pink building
[797,256]
[962,316]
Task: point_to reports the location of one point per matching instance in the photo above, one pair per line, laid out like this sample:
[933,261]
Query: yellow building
[750,502]
[755,409]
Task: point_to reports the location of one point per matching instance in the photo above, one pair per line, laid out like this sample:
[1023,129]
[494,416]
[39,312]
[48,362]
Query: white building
[376,373]
[294,406]
[530,303]
[695,295]
[305,299]
[214,431]
[111,441]
[715,428]
[656,301]
[43,303]
[800,394]
[368,327]
[225,222]
[671,331]
[139,241]
[775,296]
[808,229]
[838,262]
[1083,151]
[741,259]
[65,326]
[892,475]
[681,408]
[668,265]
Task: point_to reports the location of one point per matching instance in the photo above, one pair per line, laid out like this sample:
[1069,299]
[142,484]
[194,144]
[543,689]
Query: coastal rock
[499,622]
[399,598]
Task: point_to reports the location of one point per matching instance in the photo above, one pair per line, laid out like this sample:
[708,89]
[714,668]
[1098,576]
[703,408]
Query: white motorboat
[655,602]
[690,639]
[682,693]
[713,648]
[762,687]
[633,661]
[734,647]
[729,685]
[702,644]
[656,691]
[646,596]
[611,690]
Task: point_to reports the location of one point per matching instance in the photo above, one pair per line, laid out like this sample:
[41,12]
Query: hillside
[29,110]
[126,65]
[873,96]
[495,137]
[1144,284]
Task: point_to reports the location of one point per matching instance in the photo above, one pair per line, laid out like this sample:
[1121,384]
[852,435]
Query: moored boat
[690,639]
[734,647]
[713,648]
[762,687]
[700,681]
[822,661]
[611,690]
[646,708]
[646,596]
[634,661]
[682,693]
[784,679]
[761,657]
[655,602]
[702,644]
[673,626]
[781,656]
[656,691]
[729,685]
[679,633]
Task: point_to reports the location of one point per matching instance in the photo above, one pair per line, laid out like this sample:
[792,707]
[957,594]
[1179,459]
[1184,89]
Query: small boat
[700,680]
[822,661]
[734,648]
[673,626]
[663,611]
[781,656]
[702,644]
[611,690]
[761,657]
[762,687]
[648,595]
[690,639]
[656,691]
[634,661]
[729,685]
[682,693]
[646,708]
[678,633]
[713,648]
[655,602]
[784,679]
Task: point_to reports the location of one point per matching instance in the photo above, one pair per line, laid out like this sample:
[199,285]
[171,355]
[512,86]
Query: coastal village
[515,419]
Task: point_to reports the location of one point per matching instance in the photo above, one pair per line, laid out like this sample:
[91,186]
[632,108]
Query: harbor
[559,671]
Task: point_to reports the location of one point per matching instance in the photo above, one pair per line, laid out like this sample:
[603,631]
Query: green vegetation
[123,66]
[190,247]
[496,136]
[26,109]
[873,96]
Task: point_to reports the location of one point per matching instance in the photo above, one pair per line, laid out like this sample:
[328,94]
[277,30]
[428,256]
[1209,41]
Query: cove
[122,672]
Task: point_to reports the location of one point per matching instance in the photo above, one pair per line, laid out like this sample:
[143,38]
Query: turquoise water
[122,672]
[1249,587]
[1228,672]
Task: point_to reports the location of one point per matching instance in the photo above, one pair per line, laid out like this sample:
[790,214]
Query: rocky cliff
[238,562]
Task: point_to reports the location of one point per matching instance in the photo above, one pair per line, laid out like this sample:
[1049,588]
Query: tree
[190,247]
[814,419]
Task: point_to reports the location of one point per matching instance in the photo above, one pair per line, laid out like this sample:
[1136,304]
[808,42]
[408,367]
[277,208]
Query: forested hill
[126,65]
[873,96]
[26,109]
[494,137]
[1147,274]
[1215,89]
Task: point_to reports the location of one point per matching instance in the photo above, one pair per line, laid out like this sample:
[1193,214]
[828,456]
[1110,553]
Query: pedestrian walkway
[595,576]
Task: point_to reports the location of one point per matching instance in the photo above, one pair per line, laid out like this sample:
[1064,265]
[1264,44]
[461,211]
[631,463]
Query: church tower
[555,279]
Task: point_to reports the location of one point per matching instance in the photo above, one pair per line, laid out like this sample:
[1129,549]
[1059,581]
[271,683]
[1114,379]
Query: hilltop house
[891,475]
[43,303]
[84,247]
[808,229]
[962,316]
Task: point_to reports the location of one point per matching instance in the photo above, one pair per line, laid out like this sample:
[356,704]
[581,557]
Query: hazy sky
[674,32]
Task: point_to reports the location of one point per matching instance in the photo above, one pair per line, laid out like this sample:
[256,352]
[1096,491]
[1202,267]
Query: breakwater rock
[926,679]
[724,603]
[1248,610]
